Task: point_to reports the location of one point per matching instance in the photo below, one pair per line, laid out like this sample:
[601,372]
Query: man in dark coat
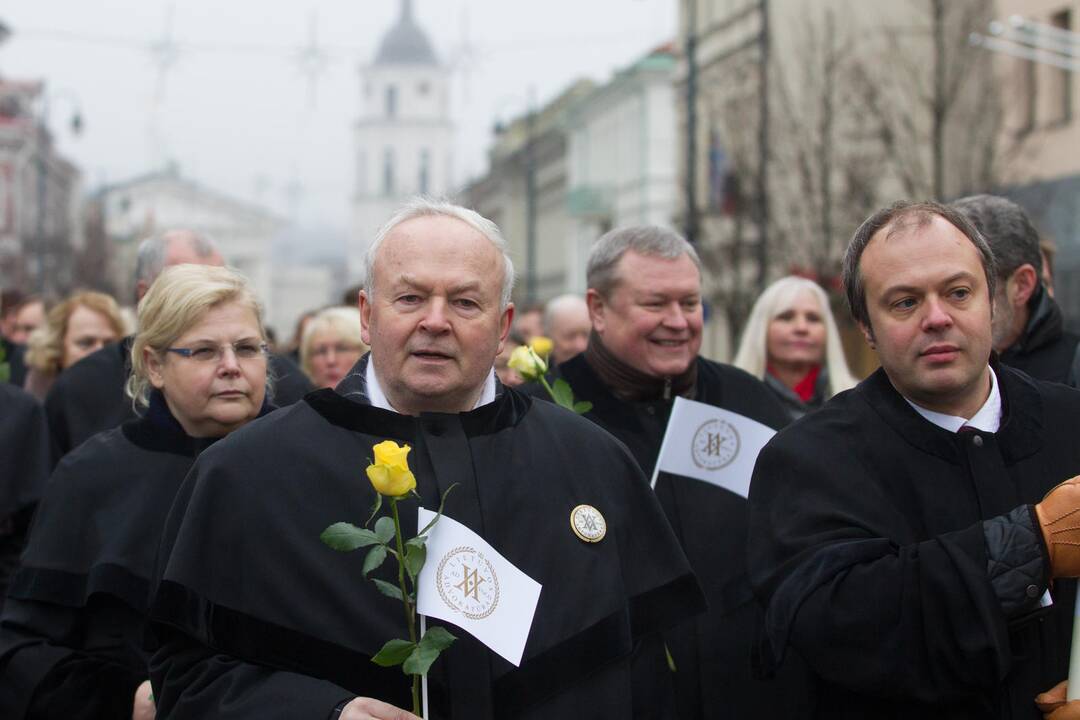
[24,469]
[1028,327]
[894,536]
[255,618]
[89,396]
[644,299]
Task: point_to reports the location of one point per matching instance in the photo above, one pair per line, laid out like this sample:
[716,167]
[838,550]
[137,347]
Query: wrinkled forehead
[438,246]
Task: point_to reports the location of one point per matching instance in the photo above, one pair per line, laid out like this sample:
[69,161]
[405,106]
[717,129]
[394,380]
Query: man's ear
[597,307]
[505,323]
[868,335]
[365,318]
[1024,281]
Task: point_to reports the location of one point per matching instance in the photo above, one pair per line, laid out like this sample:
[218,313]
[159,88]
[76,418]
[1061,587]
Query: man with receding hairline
[902,538]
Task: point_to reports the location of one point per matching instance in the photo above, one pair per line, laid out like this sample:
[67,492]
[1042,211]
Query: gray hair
[1007,228]
[600,274]
[558,304]
[898,217]
[427,207]
[150,258]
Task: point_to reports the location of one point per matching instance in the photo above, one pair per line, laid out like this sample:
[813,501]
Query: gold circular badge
[588,524]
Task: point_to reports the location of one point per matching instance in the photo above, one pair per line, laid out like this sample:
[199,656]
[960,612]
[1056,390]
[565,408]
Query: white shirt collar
[987,419]
[378,398]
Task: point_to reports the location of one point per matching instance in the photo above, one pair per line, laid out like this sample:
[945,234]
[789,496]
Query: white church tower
[403,135]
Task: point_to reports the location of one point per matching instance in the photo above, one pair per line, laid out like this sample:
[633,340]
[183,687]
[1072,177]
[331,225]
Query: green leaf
[414,559]
[388,589]
[384,528]
[419,541]
[562,394]
[374,559]
[394,652]
[437,637]
[582,407]
[344,537]
[439,513]
[374,509]
[419,660]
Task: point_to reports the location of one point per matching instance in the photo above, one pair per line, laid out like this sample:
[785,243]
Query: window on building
[388,171]
[423,87]
[424,179]
[1028,76]
[391,101]
[1059,84]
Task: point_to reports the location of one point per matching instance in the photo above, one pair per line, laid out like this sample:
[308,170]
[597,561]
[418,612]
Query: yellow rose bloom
[391,454]
[528,364]
[391,481]
[541,346]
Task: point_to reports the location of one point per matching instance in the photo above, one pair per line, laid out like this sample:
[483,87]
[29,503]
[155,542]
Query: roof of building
[406,43]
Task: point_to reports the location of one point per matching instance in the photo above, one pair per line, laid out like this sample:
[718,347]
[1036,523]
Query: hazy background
[235,110]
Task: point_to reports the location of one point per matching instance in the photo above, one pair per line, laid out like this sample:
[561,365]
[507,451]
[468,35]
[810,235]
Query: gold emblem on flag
[588,524]
[467,582]
[715,445]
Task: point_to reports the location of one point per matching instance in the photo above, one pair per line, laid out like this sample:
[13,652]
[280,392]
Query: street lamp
[530,196]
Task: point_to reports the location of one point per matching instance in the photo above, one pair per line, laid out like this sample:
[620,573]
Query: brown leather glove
[1053,706]
[1059,519]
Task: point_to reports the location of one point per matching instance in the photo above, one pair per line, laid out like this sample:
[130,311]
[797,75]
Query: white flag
[466,582]
[711,444]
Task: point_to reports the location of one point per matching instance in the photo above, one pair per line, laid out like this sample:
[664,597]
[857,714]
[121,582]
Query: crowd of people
[907,549]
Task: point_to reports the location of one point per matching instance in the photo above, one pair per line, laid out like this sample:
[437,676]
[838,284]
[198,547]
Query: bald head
[172,247]
[566,322]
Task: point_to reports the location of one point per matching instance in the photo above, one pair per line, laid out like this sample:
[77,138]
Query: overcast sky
[234,110]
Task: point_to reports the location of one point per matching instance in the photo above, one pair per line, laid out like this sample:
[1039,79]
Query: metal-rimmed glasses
[243,350]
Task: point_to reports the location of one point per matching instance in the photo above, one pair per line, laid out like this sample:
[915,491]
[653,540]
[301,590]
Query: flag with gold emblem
[708,443]
[466,582]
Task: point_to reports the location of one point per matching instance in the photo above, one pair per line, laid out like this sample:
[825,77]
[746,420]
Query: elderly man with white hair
[566,322]
[272,624]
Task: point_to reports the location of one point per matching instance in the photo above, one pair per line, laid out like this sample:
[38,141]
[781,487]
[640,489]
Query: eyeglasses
[339,349]
[214,353]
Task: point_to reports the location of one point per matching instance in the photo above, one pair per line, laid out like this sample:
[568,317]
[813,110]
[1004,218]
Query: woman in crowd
[76,327]
[72,628]
[331,345]
[791,343]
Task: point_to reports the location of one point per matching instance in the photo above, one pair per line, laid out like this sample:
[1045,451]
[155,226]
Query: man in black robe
[256,618]
[894,538]
[89,396]
[24,469]
[644,299]
[1028,326]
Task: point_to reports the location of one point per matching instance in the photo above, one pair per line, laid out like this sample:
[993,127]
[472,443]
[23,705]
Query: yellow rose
[390,453]
[390,474]
[541,346]
[528,364]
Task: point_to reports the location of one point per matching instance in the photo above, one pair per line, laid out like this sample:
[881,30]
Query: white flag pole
[1074,655]
[423,678]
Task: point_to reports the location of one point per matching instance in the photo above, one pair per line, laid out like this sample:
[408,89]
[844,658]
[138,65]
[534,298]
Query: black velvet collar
[1019,436]
[158,431]
[340,406]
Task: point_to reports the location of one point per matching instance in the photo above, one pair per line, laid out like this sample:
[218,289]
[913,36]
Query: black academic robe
[89,397]
[257,618]
[24,469]
[15,357]
[72,630]
[714,675]
[868,547]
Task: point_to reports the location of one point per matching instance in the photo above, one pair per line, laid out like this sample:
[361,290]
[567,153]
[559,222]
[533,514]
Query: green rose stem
[410,608]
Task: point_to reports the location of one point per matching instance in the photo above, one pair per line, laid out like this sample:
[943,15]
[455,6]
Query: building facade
[403,136]
[40,197]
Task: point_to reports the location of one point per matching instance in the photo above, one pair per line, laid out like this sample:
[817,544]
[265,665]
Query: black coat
[1044,350]
[869,545]
[256,618]
[15,357]
[24,469]
[88,397]
[72,630]
[712,653]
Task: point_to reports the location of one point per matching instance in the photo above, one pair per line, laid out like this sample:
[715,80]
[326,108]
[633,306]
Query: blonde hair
[45,346]
[779,297]
[177,301]
[345,321]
